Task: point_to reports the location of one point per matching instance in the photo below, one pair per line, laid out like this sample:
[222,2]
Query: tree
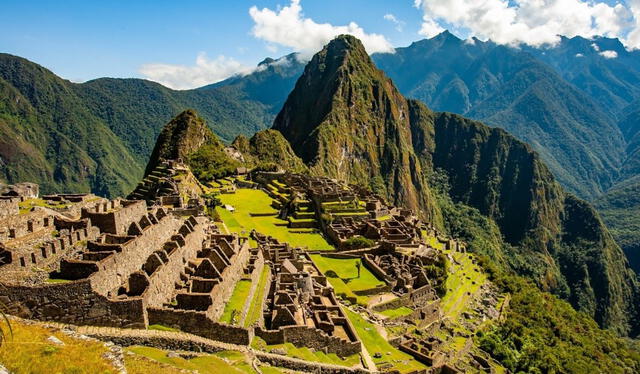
[358,265]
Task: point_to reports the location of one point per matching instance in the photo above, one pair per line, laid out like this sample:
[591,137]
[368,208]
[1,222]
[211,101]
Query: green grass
[347,281]
[398,312]
[162,328]
[27,205]
[26,350]
[222,362]
[347,271]
[375,343]
[246,201]
[307,354]
[456,299]
[255,309]
[236,302]
[57,280]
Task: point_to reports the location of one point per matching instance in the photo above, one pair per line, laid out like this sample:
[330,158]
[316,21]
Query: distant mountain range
[573,103]
[96,136]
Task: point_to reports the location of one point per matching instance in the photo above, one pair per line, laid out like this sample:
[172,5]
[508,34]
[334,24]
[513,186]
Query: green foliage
[542,334]
[357,242]
[210,162]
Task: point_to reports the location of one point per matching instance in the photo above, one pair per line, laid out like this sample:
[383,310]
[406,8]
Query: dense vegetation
[541,333]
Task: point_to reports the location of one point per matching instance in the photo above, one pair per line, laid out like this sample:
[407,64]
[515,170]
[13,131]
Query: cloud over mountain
[205,71]
[289,27]
[533,22]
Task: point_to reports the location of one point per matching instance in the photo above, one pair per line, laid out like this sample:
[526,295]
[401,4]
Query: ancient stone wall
[230,276]
[303,336]
[73,302]
[9,207]
[116,216]
[114,270]
[199,324]
[162,281]
[53,249]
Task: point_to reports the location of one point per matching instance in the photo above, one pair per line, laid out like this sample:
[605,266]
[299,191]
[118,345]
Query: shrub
[358,242]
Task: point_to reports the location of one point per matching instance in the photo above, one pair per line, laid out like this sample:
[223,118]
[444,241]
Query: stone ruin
[121,263]
[160,187]
[301,307]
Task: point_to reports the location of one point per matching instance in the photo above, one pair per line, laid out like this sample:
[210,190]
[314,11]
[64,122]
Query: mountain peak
[183,135]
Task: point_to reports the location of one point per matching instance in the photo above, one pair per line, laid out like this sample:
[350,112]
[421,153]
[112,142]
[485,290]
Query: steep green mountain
[620,206]
[515,90]
[268,149]
[345,119]
[49,136]
[97,136]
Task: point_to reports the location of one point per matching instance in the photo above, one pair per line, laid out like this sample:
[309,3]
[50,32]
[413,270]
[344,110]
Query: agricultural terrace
[343,276]
[375,344]
[252,210]
[464,280]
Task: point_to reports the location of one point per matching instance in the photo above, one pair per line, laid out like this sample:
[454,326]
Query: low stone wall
[73,302]
[199,324]
[374,291]
[306,366]
[303,336]
[393,304]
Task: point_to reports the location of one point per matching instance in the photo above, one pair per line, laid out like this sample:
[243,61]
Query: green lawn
[237,301]
[255,309]
[398,312]
[375,343]
[347,271]
[246,201]
[307,354]
[347,280]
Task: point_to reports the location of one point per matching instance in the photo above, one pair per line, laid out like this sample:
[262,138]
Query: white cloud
[633,38]
[533,22]
[609,54]
[391,18]
[205,71]
[289,27]
[595,47]
[579,55]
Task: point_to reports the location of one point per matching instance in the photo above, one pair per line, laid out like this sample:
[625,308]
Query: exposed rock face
[345,119]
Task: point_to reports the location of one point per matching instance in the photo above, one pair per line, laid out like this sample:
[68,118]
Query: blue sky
[81,40]
[185,44]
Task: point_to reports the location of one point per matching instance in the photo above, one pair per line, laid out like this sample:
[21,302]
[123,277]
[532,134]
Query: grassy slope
[28,351]
[246,201]
[236,301]
[375,343]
